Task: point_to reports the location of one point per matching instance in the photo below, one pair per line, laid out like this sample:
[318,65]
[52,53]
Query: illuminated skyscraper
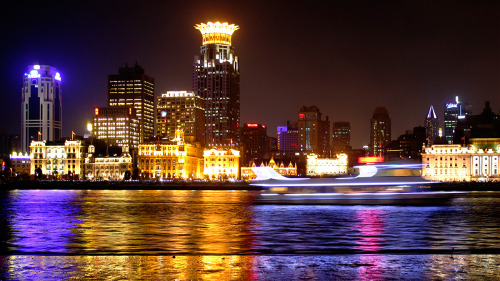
[431,126]
[452,112]
[181,109]
[288,138]
[216,78]
[341,137]
[314,133]
[41,106]
[131,87]
[380,131]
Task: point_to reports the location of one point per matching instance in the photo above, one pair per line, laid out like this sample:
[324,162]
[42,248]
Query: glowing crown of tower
[216,33]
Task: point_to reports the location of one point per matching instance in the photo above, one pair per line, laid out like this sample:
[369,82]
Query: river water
[206,235]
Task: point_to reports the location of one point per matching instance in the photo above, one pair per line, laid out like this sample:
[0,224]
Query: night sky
[347,57]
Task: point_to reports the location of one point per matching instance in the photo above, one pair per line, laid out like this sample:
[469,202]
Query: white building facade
[478,161]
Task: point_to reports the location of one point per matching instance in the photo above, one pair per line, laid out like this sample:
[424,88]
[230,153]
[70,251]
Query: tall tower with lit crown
[216,78]
[431,126]
[41,112]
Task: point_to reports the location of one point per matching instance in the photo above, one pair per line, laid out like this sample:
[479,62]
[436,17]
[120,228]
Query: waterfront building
[221,164]
[107,167]
[216,78]
[477,161]
[341,137]
[280,167]
[116,125]
[431,124]
[133,88]
[314,132]
[184,110]
[41,105]
[453,112]
[171,159]
[380,131]
[57,159]
[255,142]
[20,163]
[317,166]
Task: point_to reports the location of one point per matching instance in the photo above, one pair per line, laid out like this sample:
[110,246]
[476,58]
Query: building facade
[380,131]
[221,164]
[280,167]
[317,166]
[41,105]
[116,125]
[478,161]
[108,167]
[314,132]
[216,78]
[341,137]
[255,142]
[57,159]
[132,87]
[20,163]
[171,159]
[184,110]
[288,138]
[453,112]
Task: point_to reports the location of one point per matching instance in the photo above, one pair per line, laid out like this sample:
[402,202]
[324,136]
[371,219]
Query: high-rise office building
[380,131]
[452,113]
[184,110]
[216,78]
[314,132]
[431,126]
[116,125]
[132,87]
[41,106]
[255,142]
[288,138]
[341,137]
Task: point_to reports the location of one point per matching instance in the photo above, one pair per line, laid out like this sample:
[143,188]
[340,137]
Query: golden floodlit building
[221,164]
[57,159]
[478,161]
[326,166]
[171,159]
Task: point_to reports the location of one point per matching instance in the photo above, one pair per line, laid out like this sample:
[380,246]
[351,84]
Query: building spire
[432,113]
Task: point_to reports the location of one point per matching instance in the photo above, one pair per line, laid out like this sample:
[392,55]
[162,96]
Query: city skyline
[374,52]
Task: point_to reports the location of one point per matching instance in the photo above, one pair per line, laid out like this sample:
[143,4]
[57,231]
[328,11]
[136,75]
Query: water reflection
[262,267]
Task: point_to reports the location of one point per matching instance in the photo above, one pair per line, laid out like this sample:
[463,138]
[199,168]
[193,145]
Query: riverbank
[128,185]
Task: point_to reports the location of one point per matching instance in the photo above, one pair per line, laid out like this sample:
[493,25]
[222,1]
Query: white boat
[376,184]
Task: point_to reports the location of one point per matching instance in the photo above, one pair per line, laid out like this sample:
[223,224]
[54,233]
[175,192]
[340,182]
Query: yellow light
[216,33]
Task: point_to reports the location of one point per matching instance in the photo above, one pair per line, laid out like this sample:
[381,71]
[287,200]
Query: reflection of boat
[375,185]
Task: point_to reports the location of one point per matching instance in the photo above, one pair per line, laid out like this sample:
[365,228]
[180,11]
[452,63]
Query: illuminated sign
[36,66]
[58,76]
[34,74]
[302,115]
[371,159]
[253,125]
[451,105]
[96,111]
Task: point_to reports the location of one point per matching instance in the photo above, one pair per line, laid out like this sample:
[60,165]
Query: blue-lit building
[452,113]
[41,106]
